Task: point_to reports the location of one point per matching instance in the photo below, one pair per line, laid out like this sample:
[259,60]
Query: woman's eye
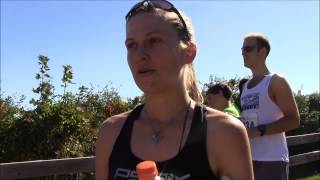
[131,45]
[154,40]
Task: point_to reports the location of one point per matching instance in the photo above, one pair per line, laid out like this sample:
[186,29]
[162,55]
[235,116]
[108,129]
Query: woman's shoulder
[221,124]
[114,122]
[112,126]
[109,131]
[228,145]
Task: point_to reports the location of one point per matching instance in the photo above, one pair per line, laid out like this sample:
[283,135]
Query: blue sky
[89,35]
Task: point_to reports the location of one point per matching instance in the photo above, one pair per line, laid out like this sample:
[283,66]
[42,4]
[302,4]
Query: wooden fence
[40,168]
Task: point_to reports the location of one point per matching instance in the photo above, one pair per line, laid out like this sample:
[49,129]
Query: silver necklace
[156,134]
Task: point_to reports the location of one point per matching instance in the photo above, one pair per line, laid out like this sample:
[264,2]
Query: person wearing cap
[172,127]
[268,109]
[219,97]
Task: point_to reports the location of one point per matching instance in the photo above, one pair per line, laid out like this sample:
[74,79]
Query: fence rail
[303,139]
[40,168]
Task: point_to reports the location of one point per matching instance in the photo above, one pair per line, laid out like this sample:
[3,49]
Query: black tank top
[191,163]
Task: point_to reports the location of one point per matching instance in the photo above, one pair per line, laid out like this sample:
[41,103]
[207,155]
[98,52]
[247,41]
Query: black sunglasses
[162,4]
[247,49]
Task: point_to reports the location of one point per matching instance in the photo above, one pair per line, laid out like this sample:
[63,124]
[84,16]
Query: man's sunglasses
[162,4]
[247,49]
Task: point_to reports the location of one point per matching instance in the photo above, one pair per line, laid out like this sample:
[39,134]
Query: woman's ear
[191,52]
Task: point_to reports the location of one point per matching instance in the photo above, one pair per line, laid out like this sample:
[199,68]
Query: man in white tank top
[268,111]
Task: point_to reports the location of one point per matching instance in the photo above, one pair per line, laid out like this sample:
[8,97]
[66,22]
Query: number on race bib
[250,120]
[249,124]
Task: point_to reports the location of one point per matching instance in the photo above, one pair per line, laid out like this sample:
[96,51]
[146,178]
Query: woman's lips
[145,71]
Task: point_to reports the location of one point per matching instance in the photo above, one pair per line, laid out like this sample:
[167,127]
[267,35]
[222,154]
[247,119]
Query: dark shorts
[271,170]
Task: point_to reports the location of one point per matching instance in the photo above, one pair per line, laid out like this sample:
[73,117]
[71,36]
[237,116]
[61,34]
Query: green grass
[313,177]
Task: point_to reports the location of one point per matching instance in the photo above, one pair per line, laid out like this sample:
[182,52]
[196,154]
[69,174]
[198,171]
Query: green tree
[45,88]
[314,102]
[66,80]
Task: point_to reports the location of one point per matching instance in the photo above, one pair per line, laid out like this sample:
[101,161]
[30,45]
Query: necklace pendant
[155,138]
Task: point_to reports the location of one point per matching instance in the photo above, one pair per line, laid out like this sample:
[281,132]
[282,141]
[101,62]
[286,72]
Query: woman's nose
[142,53]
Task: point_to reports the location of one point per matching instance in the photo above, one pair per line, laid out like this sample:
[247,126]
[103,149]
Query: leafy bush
[59,126]
[65,125]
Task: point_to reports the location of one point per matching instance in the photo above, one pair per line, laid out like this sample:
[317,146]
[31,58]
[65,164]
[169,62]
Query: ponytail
[191,84]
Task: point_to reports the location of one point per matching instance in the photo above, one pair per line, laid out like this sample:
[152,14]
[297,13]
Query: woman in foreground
[186,139]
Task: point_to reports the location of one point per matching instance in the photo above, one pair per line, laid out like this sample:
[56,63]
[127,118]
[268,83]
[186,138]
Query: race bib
[250,120]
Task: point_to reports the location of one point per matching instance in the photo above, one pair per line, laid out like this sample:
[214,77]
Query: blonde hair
[191,83]
[189,75]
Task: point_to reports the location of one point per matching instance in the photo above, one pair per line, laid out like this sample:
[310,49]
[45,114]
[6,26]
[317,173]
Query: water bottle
[147,170]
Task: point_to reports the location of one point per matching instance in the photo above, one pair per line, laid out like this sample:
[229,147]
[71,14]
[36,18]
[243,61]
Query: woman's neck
[164,109]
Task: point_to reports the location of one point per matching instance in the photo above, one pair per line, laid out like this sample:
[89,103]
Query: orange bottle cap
[147,170]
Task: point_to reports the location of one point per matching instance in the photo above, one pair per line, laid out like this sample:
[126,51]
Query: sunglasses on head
[247,49]
[162,4]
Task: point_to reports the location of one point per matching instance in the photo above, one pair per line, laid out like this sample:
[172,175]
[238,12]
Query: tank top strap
[194,155]
[268,78]
[123,141]
[266,83]
[198,126]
